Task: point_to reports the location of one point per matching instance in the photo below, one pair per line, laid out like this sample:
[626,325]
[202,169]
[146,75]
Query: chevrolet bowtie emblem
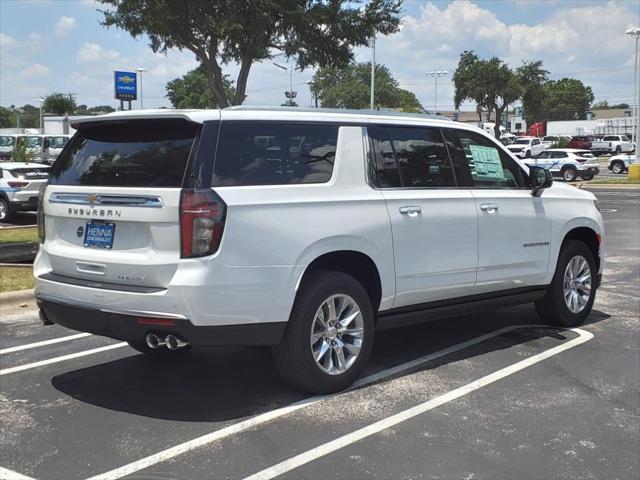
[92,198]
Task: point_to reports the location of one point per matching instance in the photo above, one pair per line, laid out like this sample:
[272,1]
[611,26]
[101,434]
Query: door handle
[410,210]
[489,207]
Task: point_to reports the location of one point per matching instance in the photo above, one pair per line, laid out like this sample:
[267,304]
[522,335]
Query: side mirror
[539,179]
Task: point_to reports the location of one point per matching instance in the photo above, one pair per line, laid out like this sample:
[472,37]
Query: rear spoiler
[123,117]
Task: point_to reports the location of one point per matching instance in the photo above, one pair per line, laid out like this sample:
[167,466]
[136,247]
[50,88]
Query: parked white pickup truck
[613,144]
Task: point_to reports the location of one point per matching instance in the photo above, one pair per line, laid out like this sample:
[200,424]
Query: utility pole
[435,74]
[290,94]
[41,101]
[140,70]
[373,72]
[635,32]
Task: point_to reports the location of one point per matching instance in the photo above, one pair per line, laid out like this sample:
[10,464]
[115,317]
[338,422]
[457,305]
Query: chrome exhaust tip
[153,341]
[174,343]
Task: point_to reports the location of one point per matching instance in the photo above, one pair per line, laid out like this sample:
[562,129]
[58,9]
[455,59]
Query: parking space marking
[377,427]
[266,417]
[41,363]
[6,474]
[43,343]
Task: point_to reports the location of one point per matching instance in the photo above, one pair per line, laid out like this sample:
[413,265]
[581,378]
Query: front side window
[488,165]
[274,153]
[33,142]
[6,141]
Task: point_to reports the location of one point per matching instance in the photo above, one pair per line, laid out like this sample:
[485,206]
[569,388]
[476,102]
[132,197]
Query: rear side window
[411,157]
[274,153]
[133,153]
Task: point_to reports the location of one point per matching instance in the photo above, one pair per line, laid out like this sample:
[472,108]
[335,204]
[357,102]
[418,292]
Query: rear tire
[587,176]
[340,338]
[568,303]
[617,167]
[618,150]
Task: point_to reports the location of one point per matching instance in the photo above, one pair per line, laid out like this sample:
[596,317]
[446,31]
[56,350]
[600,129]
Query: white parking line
[377,427]
[43,343]
[62,358]
[6,474]
[252,422]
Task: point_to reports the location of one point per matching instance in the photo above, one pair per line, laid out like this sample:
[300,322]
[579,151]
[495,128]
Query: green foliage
[59,104]
[7,118]
[532,77]
[566,99]
[21,153]
[490,83]
[222,31]
[562,142]
[101,109]
[349,87]
[603,105]
[192,90]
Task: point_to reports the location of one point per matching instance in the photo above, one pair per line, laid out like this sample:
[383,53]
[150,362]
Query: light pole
[435,74]
[41,101]
[140,71]
[291,94]
[314,95]
[635,32]
[373,71]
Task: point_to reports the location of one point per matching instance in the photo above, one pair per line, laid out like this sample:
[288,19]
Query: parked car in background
[619,164]
[36,145]
[553,141]
[568,163]
[56,143]
[526,147]
[7,142]
[19,187]
[166,249]
[612,144]
[581,142]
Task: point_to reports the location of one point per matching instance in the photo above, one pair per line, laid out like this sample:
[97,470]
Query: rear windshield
[134,153]
[30,173]
[256,153]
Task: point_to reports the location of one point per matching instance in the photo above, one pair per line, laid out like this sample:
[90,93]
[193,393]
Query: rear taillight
[581,159]
[202,217]
[40,217]
[17,184]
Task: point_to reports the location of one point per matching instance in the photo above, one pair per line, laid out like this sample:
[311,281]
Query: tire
[553,308]
[618,150]
[527,154]
[6,213]
[294,356]
[586,176]
[617,167]
[569,174]
[142,347]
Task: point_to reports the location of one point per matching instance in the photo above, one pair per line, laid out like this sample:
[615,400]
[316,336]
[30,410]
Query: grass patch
[615,181]
[15,278]
[18,235]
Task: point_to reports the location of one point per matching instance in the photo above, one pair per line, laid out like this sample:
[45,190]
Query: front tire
[6,213]
[569,174]
[570,297]
[330,334]
[617,167]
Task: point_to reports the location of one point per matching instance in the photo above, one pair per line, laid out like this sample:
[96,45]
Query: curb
[18,227]
[621,186]
[16,296]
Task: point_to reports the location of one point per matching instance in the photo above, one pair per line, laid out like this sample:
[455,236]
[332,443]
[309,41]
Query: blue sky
[59,45]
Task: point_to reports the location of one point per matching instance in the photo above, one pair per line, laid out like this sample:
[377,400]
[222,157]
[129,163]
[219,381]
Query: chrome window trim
[107,199]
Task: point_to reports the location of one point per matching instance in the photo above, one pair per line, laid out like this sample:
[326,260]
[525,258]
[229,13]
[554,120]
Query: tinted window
[421,156]
[274,153]
[489,166]
[144,153]
[386,168]
[57,142]
[610,139]
[545,155]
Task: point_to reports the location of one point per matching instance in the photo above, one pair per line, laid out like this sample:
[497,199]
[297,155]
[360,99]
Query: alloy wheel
[337,332]
[577,284]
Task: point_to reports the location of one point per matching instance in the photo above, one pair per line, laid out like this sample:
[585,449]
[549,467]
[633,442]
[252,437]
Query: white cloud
[7,41]
[92,52]
[37,70]
[64,26]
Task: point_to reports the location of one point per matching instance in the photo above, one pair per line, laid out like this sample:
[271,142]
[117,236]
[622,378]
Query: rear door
[112,205]
[434,223]
[514,230]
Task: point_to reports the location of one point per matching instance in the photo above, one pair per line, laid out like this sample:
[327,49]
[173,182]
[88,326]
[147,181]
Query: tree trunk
[496,128]
[214,77]
[243,76]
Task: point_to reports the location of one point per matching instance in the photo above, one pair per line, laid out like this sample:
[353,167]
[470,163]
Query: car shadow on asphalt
[222,384]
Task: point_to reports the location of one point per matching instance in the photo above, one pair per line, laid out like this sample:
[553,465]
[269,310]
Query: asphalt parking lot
[490,395]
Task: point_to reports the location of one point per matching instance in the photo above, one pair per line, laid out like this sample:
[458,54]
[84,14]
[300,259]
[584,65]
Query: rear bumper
[130,326]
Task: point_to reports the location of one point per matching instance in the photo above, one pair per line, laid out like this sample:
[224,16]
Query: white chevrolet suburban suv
[303,230]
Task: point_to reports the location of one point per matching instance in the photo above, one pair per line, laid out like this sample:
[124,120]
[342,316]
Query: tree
[349,87]
[490,83]
[59,104]
[192,90]
[101,109]
[7,118]
[218,32]
[532,78]
[566,99]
